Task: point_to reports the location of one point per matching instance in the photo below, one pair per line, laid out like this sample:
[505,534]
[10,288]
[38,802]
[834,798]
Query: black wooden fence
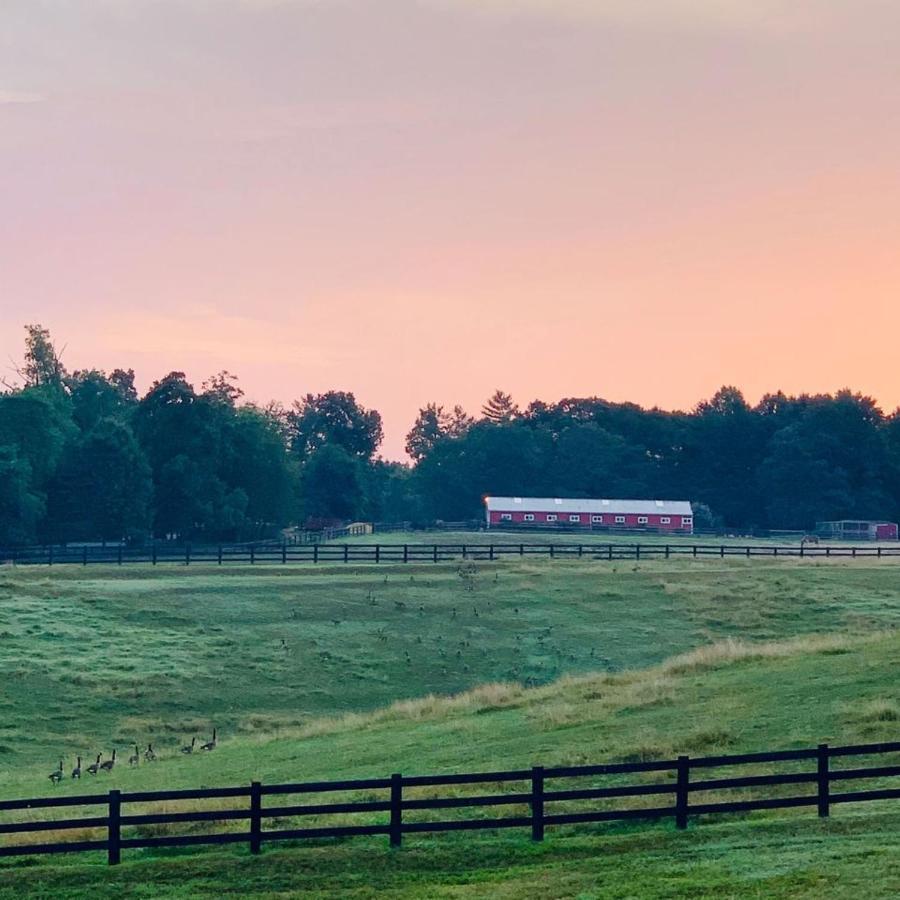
[422,553]
[530,792]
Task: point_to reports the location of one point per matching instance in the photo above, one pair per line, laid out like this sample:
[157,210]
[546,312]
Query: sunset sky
[424,201]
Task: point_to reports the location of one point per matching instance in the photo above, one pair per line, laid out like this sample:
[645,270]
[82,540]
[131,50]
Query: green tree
[431,424]
[102,489]
[96,395]
[38,428]
[256,461]
[42,367]
[20,507]
[591,462]
[831,463]
[500,408]
[332,486]
[335,418]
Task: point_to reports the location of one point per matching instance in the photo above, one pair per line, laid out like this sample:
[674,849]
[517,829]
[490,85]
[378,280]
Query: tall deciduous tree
[332,487]
[21,508]
[334,418]
[102,489]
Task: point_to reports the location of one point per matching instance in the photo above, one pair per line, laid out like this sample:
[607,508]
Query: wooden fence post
[255,816]
[521,549]
[537,803]
[120,555]
[84,556]
[284,553]
[406,553]
[252,555]
[551,551]
[346,552]
[220,555]
[153,554]
[637,552]
[491,552]
[667,551]
[50,555]
[682,791]
[315,553]
[609,550]
[187,554]
[378,553]
[464,551]
[435,553]
[396,833]
[114,833]
[823,781]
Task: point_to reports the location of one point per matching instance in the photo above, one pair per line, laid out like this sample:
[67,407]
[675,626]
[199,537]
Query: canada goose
[210,745]
[94,768]
[149,755]
[107,766]
[76,772]
[135,758]
[56,775]
[189,748]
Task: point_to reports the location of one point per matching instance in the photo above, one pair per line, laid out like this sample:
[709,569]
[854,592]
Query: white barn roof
[565,505]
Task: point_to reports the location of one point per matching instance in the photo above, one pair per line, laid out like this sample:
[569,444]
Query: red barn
[675,516]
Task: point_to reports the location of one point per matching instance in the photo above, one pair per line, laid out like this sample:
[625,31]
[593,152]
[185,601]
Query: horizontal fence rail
[369,553]
[530,799]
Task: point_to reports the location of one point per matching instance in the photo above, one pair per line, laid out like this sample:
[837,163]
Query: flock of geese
[57,775]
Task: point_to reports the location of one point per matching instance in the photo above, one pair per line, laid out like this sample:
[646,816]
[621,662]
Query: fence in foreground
[422,553]
[530,794]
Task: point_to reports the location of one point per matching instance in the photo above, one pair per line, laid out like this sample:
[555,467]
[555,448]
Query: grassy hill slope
[100,657]
[730,697]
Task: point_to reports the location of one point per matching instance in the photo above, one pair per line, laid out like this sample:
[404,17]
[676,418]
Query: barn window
[665,520]
[506,517]
[529,517]
[597,520]
[686,520]
[642,520]
[551,517]
[574,518]
[620,520]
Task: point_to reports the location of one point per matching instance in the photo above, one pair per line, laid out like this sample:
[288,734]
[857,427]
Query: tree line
[83,457]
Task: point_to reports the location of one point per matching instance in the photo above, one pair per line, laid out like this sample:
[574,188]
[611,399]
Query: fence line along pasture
[285,553]
[532,795]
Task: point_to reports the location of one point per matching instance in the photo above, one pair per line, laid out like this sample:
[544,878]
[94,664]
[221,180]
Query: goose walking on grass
[76,772]
[210,745]
[57,774]
[135,758]
[189,748]
[94,767]
[149,755]
[107,766]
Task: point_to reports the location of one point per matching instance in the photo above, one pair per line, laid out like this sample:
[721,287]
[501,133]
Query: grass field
[315,673]
[731,697]
[100,657]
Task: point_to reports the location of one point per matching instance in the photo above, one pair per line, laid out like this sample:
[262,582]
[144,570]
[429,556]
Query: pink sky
[424,201]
